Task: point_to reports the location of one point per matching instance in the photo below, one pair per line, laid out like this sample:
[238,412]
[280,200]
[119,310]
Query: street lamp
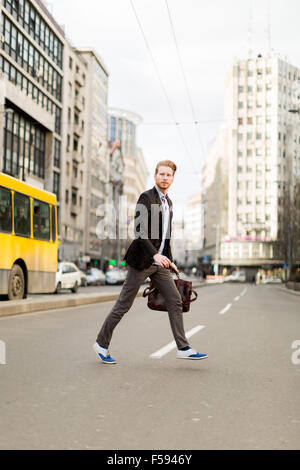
[217,253]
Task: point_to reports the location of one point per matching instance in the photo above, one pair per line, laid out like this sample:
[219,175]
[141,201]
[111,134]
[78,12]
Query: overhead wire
[184,77]
[176,123]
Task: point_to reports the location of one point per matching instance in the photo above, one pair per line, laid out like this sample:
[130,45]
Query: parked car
[95,277]
[115,276]
[273,280]
[83,281]
[67,277]
[236,276]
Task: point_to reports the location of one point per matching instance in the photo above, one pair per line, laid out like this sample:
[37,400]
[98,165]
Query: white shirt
[165,219]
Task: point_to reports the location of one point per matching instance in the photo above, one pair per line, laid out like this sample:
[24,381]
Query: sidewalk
[53,301]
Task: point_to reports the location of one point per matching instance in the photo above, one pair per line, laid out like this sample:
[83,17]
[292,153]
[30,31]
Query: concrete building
[74,157]
[31,93]
[214,197]
[122,127]
[264,153]
[97,152]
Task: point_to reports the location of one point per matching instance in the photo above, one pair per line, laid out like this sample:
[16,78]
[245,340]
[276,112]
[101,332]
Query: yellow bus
[28,239]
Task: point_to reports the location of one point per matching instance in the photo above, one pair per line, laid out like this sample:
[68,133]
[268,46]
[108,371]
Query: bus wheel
[16,283]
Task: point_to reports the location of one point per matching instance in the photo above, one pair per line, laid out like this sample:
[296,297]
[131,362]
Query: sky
[168,60]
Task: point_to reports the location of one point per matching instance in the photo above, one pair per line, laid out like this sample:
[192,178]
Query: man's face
[164,178]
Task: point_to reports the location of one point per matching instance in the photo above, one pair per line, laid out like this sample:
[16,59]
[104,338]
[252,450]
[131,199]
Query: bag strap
[196,295]
[148,291]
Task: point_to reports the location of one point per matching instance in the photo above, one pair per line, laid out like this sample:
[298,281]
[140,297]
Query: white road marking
[163,351]
[225,309]
[237,298]
[244,291]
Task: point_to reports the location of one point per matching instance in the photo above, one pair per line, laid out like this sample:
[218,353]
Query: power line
[184,76]
[176,123]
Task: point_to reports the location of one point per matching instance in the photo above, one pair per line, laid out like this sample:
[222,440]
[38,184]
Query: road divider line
[163,351]
[237,298]
[225,309]
[243,292]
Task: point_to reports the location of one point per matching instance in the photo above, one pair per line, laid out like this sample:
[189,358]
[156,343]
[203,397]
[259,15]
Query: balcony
[78,104]
[77,129]
[78,79]
[76,157]
[74,210]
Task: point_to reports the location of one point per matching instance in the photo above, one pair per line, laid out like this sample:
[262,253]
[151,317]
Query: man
[149,255]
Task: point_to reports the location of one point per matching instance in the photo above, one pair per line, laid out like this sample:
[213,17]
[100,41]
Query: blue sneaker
[190,354]
[103,354]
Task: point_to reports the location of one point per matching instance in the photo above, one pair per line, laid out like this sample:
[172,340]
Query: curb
[289,291]
[17,307]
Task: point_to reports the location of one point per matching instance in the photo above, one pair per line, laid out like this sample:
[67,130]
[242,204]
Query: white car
[236,276]
[95,277]
[67,277]
[115,276]
[273,280]
[83,280]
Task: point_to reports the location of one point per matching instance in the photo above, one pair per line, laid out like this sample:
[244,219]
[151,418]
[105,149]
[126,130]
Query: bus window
[22,215]
[5,211]
[53,224]
[41,220]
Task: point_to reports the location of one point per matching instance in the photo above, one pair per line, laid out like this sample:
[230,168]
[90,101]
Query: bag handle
[148,291]
[176,272]
[196,295]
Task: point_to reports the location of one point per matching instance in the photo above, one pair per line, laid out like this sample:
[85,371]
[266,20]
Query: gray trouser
[163,280]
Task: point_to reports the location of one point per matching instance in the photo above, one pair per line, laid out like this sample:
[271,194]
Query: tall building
[214,194]
[97,152]
[31,93]
[122,127]
[73,164]
[263,158]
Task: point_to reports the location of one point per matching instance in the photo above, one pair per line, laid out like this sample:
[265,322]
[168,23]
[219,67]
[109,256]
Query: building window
[23,147]
[17,46]
[28,17]
[56,184]
[57,153]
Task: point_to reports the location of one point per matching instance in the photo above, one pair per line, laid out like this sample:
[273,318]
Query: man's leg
[163,280]
[128,293]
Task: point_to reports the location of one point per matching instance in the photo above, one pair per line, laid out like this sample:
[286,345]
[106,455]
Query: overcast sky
[210,36]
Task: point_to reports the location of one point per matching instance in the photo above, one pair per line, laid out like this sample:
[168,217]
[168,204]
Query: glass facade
[31,57]
[22,51]
[33,23]
[23,146]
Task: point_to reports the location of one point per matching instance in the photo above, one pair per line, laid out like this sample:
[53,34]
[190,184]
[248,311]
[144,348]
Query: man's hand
[162,260]
[174,268]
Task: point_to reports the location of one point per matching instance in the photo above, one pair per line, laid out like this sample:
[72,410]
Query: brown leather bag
[157,302]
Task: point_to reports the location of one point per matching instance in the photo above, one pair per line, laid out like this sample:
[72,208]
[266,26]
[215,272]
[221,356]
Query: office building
[263,160]
[73,164]
[31,93]
[96,151]
[123,127]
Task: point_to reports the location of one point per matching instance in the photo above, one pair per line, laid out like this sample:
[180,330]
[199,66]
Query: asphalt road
[55,394]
